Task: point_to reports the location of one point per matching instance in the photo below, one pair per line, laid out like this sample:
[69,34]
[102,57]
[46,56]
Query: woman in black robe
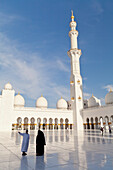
[40,142]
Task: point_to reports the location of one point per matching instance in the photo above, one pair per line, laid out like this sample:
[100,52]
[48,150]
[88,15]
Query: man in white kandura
[25,142]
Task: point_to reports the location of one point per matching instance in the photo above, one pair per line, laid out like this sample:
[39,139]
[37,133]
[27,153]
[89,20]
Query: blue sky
[34,42]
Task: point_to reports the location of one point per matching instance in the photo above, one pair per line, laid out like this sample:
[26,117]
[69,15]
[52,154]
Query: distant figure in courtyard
[25,142]
[40,142]
[109,129]
[102,129]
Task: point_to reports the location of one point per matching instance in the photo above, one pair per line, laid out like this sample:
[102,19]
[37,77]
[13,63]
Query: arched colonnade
[44,123]
[95,122]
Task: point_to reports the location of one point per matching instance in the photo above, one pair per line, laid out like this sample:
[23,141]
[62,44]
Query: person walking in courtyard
[102,130]
[40,142]
[109,129]
[25,142]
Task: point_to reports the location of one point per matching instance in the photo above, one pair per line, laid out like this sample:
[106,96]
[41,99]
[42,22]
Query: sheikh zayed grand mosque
[76,113]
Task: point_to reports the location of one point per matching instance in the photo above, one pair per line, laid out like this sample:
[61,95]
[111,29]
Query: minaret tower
[75,80]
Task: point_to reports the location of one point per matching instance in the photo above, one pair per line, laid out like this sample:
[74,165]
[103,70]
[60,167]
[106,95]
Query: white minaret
[75,80]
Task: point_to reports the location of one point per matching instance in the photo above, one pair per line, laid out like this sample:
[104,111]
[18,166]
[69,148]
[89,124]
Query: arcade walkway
[64,150]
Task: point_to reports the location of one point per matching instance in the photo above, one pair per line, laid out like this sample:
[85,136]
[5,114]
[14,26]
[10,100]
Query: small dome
[93,102]
[19,101]
[8,86]
[109,97]
[41,102]
[61,104]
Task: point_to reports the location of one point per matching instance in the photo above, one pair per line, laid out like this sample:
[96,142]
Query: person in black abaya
[40,142]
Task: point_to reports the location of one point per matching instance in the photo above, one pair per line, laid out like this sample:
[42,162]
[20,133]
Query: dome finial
[61,97]
[41,95]
[92,95]
[72,17]
[8,86]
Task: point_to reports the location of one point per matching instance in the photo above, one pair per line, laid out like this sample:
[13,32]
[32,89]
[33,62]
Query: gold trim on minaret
[110,89]
[71,82]
[78,81]
[72,98]
[79,98]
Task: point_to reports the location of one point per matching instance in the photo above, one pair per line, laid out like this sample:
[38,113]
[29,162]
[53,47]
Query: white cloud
[108,87]
[27,76]
[28,72]
[62,66]
[6,19]
[97,7]
[86,95]
[62,92]
[102,101]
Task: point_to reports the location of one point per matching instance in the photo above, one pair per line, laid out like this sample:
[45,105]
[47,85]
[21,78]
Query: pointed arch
[61,123]
[88,125]
[56,123]
[96,122]
[19,123]
[32,123]
[92,123]
[44,123]
[50,123]
[26,123]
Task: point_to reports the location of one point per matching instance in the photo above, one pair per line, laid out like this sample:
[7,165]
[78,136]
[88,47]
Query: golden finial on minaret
[72,17]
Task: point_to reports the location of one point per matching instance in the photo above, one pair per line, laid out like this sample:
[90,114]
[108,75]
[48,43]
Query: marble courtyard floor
[64,150]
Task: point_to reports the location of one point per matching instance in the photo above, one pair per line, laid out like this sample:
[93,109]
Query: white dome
[61,104]
[19,101]
[41,102]
[93,102]
[109,97]
[8,86]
